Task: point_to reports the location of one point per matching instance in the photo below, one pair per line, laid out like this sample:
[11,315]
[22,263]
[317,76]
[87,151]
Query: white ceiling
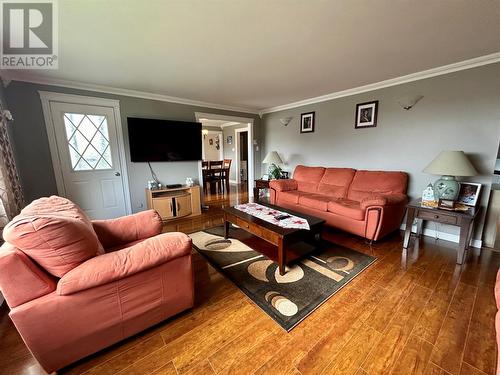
[263,53]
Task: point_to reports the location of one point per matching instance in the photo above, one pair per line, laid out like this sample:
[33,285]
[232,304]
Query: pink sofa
[370,204]
[75,286]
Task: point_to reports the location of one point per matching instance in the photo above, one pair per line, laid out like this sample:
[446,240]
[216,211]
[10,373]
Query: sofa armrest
[127,229]
[21,280]
[283,185]
[109,267]
[384,200]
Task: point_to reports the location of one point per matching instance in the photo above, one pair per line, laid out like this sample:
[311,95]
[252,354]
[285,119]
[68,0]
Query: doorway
[201,117]
[86,145]
[241,152]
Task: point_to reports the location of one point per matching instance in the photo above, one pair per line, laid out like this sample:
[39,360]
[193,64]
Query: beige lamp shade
[272,157]
[451,163]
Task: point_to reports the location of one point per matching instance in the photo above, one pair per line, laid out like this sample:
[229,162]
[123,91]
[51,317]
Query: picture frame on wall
[307,122]
[366,115]
[469,193]
[229,139]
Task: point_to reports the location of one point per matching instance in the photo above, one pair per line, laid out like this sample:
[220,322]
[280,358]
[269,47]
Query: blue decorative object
[447,187]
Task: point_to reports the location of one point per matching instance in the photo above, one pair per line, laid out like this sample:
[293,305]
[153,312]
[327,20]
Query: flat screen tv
[163,140]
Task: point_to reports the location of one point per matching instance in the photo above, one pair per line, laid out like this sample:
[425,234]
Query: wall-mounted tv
[163,140]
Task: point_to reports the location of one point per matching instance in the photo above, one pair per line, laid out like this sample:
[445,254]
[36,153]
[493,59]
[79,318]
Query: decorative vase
[447,187]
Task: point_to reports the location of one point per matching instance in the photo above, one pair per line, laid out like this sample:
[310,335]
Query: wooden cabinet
[175,203]
[164,206]
[183,205]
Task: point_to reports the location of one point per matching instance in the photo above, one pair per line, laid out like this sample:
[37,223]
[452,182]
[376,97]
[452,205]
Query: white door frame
[245,120]
[237,152]
[221,149]
[46,98]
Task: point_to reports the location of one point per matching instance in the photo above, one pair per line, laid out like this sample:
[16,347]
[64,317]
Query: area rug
[290,298]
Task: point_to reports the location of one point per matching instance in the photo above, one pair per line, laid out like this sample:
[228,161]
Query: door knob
[117,174]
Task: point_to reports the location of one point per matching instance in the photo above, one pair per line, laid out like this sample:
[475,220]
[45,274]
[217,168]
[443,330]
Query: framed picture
[469,193]
[307,122]
[229,139]
[366,115]
[210,141]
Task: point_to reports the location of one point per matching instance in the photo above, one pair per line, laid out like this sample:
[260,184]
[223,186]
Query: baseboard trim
[443,235]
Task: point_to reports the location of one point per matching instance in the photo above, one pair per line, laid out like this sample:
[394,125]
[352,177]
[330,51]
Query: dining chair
[227,170]
[215,174]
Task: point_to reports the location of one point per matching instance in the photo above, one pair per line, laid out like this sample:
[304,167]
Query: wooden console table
[462,219]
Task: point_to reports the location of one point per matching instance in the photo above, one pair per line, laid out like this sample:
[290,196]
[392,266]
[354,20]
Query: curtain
[11,196]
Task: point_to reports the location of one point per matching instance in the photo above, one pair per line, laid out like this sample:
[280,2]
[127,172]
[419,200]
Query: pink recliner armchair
[75,287]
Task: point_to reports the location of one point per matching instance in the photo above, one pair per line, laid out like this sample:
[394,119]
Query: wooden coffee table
[278,236]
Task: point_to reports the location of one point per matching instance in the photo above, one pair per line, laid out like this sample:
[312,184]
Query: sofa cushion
[316,201]
[348,208]
[308,178]
[290,196]
[367,183]
[55,233]
[336,181]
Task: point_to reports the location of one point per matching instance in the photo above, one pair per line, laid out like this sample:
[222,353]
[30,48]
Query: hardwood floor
[412,313]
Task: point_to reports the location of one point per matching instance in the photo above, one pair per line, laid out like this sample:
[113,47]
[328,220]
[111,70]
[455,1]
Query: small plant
[275,172]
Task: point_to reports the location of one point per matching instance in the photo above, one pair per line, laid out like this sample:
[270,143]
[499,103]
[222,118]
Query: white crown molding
[232,123]
[124,92]
[445,69]
[8,76]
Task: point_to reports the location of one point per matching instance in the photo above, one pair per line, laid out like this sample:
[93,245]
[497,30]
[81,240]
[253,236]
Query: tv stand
[175,203]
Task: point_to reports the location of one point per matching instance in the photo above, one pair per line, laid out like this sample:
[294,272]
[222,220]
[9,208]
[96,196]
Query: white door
[87,148]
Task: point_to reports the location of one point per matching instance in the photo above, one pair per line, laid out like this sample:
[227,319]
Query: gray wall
[32,148]
[229,150]
[459,111]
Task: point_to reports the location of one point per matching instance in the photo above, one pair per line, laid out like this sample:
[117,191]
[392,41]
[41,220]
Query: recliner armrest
[21,280]
[109,267]
[384,200]
[129,228]
[283,185]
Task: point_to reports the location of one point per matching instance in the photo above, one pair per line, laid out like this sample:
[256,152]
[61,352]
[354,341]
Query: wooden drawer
[437,216]
[270,236]
[249,227]
[242,224]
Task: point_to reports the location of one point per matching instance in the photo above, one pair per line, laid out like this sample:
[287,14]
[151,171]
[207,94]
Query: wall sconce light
[407,102]
[286,120]
[205,133]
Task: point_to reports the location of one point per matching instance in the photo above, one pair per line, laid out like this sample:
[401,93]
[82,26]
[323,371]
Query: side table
[462,219]
[259,184]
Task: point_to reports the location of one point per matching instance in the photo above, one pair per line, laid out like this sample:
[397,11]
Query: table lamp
[273,159]
[449,164]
